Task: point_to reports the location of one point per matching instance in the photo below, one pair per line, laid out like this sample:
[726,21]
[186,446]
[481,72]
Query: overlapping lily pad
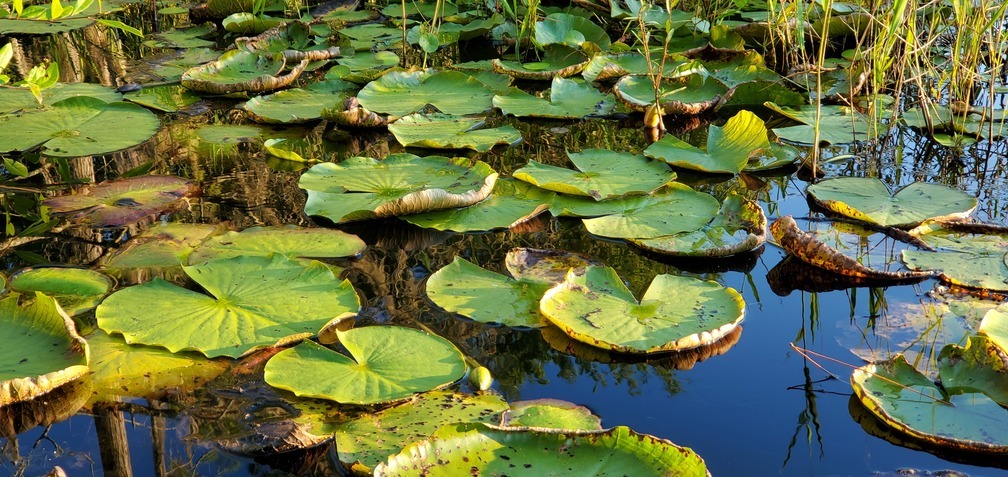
[729,147]
[995,327]
[77,290]
[160,247]
[546,266]
[602,174]
[41,351]
[15,99]
[673,210]
[400,93]
[122,202]
[570,30]
[739,226]
[550,414]
[869,199]
[485,296]
[557,61]
[692,94]
[968,260]
[252,302]
[292,241]
[510,204]
[363,188]
[837,125]
[166,98]
[386,363]
[298,105]
[567,99]
[445,131]
[595,307]
[484,450]
[77,126]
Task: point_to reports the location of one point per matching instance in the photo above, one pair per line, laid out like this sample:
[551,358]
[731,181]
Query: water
[758,408]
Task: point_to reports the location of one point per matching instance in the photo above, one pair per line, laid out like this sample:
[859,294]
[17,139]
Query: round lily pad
[567,99]
[676,209]
[479,449]
[41,351]
[292,241]
[386,363]
[602,174]
[299,105]
[545,266]
[995,327]
[401,93]
[693,94]
[484,296]
[571,30]
[739,226]
[77,290]
[14,99]
[253,302]
[597,308]
[557,61]
[166,98]
[550,414]
[77,126]
[837,125]
[967,260]
[444,131]
[159,247]
[122,202]
[729,147]
[510,204]
[869,199]
[363,188]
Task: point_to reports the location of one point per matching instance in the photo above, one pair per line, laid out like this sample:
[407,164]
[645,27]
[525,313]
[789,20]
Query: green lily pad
[545,266]
[159,247]
[247,23]
[400,93]
[753,94]
[371,437]
[550,414]
[120,369]
[253,302]
[292,241]
[363,66]
[363,188]
[122,202]
[557,60]
[487,297]
[242,71]
[299,105]
[41,351]
[869,200]
[510,204]
[567,99]
[480,449]
[424,9]
[729,147]
[444,131]
[677,209]
[739,226]
[837,125]
[692,94]
[13,99]
[166,98]
[609,66]
[941,118]
[373,37]
[966,419]
[77,126]
[598,309]
[776,156]
[995,326]
[570,30]
[191,37]
[386,363]
[77,290]
[602,174]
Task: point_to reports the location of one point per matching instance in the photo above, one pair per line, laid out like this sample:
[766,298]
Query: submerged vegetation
[343,238]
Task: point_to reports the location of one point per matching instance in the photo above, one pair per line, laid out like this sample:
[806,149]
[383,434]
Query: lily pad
[484,450]
[557,61]
[837,125]
[122,202]
[363,66]
[160,247]
[253,302]
[386,363]
[692,94]
[570,30]
[869,200]
[739,226]
[550,414]
[400,93]
[966,419]
[444,131]
[484,296]
[191,37]
[13,99]
[292,241]
[967,260]
[373,436]
[42,349]
[602,174]
[545,266]
[77,290]
[363,188]
[77,126]
[567,99]
[299,105]
[242,71]
[166,98]
[676,209]
[597,308]
[510,204]
[729,147]
[120,369]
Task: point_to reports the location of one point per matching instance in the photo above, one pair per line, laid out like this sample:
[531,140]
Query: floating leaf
[253,302]
[183,37]
[995,327]
[122,202]
[548,267]
[692,94]
[550,414]
[510,204]
[41,351]
[557,60]
[299,105]
[386,363]
[292,241]
[602,174]
[16,99]
[868,199]
[597,308]
[570,30]
[400,93]
[363,188]
[77,290]
[484,296]
[159,247]
[738,227]
[483,450]
[77,126]
[729,147]
[567,99]
[837,125]
[166,98]
[676,209]
[443,131]
[967,260]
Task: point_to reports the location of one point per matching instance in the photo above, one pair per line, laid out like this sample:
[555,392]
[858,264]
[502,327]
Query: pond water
[756,407]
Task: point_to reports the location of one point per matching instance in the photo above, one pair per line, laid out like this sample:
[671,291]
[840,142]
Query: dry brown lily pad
[122,202]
